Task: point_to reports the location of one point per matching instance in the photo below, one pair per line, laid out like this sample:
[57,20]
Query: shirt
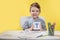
[28,23]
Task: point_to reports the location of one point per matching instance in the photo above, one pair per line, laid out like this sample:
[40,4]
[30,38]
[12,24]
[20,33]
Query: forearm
[41,29]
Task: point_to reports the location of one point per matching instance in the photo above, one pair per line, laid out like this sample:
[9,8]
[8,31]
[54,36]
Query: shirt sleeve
[43,25]
[25,25]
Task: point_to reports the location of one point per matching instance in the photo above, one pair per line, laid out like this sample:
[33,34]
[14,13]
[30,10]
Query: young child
[34,11]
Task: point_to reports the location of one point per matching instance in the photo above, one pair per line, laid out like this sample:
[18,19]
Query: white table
[27,35]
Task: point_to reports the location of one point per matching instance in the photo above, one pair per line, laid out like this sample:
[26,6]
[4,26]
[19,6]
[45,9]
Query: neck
[35,18]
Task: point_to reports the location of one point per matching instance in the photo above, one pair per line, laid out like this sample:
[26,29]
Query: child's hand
[31,28]
[41,29]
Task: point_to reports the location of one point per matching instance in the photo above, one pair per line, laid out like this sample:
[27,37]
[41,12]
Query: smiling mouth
[34,14]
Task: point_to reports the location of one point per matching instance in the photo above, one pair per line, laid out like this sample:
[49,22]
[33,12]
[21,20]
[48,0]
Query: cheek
[31,13]
[37,13]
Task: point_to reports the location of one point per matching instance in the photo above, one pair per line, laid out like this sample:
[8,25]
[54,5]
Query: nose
[34,12]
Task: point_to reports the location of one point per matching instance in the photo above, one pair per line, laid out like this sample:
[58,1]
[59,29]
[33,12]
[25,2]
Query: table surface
[17,34]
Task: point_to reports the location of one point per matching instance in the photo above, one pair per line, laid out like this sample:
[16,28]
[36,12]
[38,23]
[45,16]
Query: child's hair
[35,5]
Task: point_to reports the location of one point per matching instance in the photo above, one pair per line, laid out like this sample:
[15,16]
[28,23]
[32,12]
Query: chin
[34,17]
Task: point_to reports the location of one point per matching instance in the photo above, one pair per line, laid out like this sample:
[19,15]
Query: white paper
[36,25]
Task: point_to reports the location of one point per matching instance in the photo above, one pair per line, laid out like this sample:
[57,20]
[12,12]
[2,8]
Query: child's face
[34,12]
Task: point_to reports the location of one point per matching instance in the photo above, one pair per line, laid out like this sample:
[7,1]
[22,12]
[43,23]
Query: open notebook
[32,34]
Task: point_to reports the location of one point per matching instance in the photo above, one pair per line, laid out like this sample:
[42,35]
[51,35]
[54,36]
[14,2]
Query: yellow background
[12,10]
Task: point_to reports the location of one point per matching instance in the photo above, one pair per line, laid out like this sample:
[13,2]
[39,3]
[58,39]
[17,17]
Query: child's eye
[37,11]
[33,11]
